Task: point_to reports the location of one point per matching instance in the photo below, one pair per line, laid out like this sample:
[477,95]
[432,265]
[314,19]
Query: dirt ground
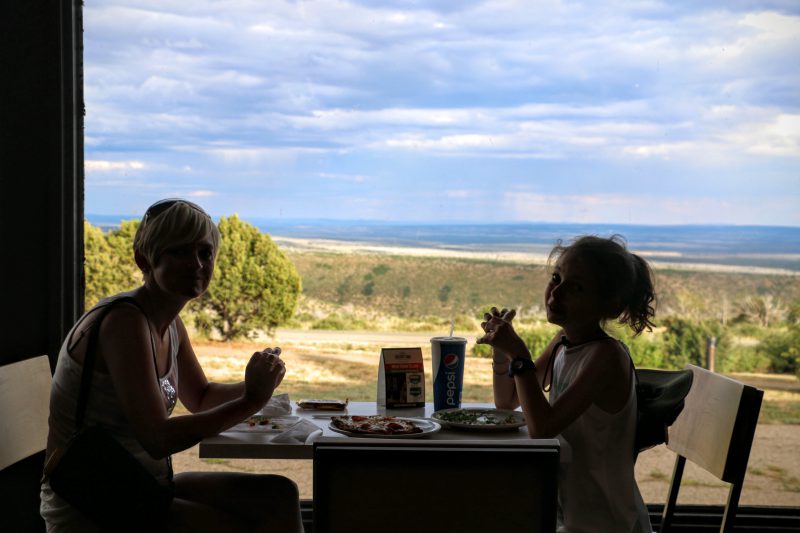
[773,476]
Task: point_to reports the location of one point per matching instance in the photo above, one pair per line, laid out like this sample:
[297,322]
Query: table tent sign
[401,378]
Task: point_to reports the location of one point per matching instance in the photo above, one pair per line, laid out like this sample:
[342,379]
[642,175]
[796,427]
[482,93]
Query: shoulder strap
[91,355]
[549,369]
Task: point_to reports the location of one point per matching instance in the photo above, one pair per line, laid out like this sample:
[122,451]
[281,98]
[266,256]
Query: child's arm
[506,345]
[503,387]
[603,378]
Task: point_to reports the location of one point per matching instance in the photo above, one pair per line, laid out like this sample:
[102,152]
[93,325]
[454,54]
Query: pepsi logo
[450,361]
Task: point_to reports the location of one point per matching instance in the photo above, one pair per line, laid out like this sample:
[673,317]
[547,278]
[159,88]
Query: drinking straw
[452,326]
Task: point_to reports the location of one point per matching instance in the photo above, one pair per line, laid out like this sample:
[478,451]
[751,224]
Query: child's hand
[499,333]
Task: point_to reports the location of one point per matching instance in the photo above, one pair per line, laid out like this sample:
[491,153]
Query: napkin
[278,405]
[302,432]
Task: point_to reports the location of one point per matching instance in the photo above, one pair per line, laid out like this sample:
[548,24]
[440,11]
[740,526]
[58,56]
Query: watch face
[519,366]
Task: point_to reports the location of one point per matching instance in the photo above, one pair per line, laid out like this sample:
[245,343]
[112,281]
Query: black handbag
[97,475]
[660,396]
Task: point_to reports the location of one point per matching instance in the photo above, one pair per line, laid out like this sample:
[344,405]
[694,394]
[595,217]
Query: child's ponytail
[639,310]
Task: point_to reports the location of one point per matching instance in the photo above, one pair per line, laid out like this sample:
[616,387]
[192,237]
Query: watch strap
[521,365]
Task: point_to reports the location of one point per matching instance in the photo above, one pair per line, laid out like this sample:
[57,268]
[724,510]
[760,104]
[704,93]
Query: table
[242,445]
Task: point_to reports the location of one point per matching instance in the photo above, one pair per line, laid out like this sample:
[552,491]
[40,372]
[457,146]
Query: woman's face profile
[186,269]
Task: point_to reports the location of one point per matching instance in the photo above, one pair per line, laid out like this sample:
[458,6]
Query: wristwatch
[521,365]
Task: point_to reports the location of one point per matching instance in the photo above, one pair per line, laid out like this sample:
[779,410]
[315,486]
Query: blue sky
[642,112]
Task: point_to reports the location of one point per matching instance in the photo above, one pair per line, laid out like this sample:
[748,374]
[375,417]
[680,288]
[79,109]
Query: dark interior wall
[41,205]
[41,175]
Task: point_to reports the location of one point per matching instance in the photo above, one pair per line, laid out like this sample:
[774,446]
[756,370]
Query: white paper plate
[484,419]
[428,427]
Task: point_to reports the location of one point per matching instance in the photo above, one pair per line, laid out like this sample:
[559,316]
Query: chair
[406,485]
[714,431]
[24,408]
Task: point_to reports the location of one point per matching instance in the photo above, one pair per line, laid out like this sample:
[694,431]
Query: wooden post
[711,353]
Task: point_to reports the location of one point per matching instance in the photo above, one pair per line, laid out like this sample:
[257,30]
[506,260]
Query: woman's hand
[263,374]
[499,334]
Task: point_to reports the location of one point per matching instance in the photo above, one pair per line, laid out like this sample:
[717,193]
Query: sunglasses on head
[162,205]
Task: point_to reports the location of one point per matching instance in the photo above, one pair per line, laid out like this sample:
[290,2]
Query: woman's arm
[125,345]
[195,391]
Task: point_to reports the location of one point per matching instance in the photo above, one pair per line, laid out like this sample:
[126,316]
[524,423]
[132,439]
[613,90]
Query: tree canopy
[108,261]
[255,286]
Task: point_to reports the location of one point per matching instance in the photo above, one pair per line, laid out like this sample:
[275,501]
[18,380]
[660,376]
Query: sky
[637,112]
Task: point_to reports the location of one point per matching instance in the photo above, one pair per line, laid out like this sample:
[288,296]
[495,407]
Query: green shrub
[481,350]
[782,348]
[255,286]
[746,329]
[339,323]
[537,339]
[465,323]
[444,293]
[741,358]
[685,341]
[647,352]
[647,349]
[381,269]
[368,288]
[329,322]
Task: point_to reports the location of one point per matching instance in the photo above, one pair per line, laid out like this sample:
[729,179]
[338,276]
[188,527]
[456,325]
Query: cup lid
[460,340]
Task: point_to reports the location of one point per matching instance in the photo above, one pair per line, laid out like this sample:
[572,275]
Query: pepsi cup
[447,357]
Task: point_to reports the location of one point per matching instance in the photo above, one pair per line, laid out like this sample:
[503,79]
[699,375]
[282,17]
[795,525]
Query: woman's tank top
[103,409]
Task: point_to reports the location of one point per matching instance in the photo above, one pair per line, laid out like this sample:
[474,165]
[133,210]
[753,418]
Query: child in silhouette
[589,375]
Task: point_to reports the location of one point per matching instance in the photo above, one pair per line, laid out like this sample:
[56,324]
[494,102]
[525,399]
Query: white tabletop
[252,445]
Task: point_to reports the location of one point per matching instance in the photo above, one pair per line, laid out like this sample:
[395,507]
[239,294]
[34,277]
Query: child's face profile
[572,295]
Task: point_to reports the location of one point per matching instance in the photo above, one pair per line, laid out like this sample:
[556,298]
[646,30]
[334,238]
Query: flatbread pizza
[375,425]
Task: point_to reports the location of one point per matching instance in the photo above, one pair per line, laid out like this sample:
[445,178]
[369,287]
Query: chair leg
[672,497]
[729,516]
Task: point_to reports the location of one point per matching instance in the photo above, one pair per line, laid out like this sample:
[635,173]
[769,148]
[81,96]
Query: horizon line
[121,218]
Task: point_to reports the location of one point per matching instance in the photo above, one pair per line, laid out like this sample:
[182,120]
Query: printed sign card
[401,378]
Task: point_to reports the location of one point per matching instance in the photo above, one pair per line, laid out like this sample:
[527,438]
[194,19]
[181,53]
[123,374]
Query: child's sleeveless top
[597,490]
[103,409]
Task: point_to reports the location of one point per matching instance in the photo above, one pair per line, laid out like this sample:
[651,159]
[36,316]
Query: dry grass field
[344,365]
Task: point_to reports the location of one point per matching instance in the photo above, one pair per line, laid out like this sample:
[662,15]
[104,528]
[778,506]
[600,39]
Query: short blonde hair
[172,222]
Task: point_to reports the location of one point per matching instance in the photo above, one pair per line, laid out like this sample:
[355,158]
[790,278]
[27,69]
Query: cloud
[460,193]
[106,166]
[358,178]
[200,194]
[336,92]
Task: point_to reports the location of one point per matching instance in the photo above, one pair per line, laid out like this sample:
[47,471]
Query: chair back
[405,485]
[716,428]
[715,431]
[24,409]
